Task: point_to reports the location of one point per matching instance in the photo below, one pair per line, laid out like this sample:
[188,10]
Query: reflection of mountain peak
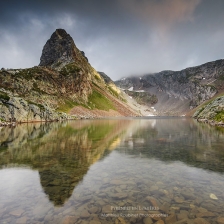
[60,185]
[61,152]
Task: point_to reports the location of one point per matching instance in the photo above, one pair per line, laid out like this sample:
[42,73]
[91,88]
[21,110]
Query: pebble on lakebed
[212,196]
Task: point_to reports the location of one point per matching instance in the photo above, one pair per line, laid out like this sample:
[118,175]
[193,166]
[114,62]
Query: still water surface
[112,171]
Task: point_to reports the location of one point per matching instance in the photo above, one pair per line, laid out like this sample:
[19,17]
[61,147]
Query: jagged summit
[60,50]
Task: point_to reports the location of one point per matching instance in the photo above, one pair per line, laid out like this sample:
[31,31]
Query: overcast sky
[119,37]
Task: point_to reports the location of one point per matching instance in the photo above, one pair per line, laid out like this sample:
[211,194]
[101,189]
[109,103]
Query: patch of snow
[204,78]
[150,115]
[140,78]
[131,88]
[140,91]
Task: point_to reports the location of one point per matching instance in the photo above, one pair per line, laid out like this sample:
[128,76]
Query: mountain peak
[59,50]
[61,33]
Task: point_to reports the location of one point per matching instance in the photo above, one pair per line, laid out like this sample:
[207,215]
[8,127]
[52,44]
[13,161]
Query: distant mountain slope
[63,81]
[106,78]
[179,91]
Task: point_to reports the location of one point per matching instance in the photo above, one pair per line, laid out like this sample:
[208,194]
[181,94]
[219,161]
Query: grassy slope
[219,116]
[95,101]
[99,101]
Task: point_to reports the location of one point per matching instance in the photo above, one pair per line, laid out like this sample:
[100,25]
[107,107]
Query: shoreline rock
[211,122]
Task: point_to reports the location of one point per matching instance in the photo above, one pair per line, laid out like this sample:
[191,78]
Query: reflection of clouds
[175,139]
[148,122]
[130,144]
[136,127]
[137,124]
[15,179]
[153,123]
[140,140]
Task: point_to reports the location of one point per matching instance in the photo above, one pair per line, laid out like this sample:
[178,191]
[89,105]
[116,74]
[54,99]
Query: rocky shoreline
[13,124]
[3,124]
[211,122]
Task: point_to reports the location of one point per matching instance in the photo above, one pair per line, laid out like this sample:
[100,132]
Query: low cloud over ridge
[120,37]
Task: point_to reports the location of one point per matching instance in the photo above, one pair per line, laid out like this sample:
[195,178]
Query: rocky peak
[59,50]
[61,33]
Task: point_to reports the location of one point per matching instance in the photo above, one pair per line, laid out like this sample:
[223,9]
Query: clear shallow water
[112,171]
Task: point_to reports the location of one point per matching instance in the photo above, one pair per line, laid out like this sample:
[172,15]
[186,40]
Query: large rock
[17,109]
[59,50]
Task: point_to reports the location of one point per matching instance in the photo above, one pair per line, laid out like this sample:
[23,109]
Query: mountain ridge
[66,86]
[63,80]
[178,92]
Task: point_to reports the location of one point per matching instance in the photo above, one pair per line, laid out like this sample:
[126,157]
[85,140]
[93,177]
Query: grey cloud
[120,37]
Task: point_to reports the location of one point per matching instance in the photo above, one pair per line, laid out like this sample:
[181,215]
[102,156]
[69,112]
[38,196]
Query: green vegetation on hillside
[4,96]
[219,116]
[95,101]
[67,105]
[99,101]
[29,73]
[70,69]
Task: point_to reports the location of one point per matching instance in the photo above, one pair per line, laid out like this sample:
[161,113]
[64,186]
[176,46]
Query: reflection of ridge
[57,183]
[61,152]
[178,140]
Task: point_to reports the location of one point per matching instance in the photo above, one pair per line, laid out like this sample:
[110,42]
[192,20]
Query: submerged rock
[213,196]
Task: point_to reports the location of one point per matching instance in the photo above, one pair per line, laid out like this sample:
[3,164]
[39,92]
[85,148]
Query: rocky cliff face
[60,50]
[212,112]
[63,80]
[179,91]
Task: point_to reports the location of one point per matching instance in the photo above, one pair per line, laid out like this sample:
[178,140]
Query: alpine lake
[145,170]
